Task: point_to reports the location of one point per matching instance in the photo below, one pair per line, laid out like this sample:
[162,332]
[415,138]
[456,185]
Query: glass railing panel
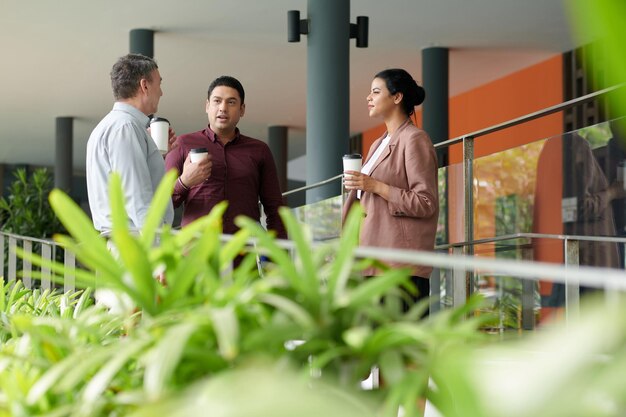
[450,227]
[515,303]
[504,190]
[592,190]
[323,218]
[567,184]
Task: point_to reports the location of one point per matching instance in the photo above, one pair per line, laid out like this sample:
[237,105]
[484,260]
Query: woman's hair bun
[417,93]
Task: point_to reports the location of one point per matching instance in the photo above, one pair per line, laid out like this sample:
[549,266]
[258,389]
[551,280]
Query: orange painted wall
[523,92]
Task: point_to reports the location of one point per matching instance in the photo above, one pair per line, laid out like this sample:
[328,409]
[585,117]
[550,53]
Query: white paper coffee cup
[198,154]
[352,162]
[159,130]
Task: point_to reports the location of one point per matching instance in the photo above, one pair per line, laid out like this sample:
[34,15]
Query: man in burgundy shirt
[239,169]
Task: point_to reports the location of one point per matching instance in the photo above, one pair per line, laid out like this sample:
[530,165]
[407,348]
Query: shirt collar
[133,111]
[213,137]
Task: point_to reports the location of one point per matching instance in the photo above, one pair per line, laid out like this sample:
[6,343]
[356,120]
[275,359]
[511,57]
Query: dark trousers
[423,292]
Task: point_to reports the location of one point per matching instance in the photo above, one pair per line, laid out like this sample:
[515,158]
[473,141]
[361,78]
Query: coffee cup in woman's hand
[352,162]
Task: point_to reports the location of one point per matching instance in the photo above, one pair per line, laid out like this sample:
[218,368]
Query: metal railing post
[435,291]
[12,259]
[46,254]
[459,287]
[69,261]
[572,285]
[528,296]
[468,203]
[28,267]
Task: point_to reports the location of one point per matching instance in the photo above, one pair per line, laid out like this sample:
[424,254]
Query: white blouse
[367,168]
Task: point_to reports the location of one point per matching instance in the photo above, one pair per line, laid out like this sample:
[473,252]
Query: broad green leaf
[246,271]
[76,222]
[101,380]
[56,373]
[303,246]
[355,337]
[226,328]
[395,335]
[68,373]
[84,301]
[329,355]
[233,248]
[194,264]
[604,21]
[343,263]
[136,261]
[392,366]
[372,289]
[164,357]
[290,308]
[83,278]
[119,216]
[212,220]
[277,254]
[101,261]
[158,206]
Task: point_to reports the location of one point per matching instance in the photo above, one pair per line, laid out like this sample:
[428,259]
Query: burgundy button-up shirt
[243,173]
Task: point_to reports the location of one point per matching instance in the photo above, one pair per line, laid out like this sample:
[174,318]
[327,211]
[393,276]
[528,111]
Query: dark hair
[400,81]
[227,81]
[128,72]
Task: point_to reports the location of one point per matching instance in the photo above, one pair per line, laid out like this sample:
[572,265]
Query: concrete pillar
[63,168]
[142,42]
[435,73]
[328,85]
[278,145]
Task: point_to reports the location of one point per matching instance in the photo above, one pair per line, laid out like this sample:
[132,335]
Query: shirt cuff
[180,188]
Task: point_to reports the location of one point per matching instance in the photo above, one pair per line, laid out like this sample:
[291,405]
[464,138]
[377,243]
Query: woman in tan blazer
[397,186]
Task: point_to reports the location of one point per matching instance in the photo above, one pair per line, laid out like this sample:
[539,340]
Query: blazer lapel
[392,144]
[383,155]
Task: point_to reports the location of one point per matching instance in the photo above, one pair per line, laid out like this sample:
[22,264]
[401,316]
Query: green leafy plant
[310,308]
[603,22]
[26,210]
[573,370]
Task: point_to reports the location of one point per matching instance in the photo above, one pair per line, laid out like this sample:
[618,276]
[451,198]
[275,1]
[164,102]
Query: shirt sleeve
[420,199]
[175,159]
[128,153]
[270,194]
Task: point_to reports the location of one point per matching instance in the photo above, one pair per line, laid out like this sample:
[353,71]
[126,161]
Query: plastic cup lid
[198,150]
[159,119]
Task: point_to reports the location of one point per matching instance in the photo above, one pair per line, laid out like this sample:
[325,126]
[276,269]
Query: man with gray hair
[121,143]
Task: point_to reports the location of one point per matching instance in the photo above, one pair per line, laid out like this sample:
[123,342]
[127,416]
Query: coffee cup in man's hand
[159,130]
[198,154]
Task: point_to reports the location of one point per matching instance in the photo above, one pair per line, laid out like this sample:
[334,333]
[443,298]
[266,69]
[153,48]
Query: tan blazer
[409,219]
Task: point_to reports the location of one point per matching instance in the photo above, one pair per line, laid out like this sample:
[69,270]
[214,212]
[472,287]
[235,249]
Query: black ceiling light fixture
[297,27]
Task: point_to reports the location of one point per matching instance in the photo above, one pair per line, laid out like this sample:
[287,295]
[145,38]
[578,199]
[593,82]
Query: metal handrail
[311,186]
[552,272]
[522,235]
[529,117]
[495,128]
[32,239]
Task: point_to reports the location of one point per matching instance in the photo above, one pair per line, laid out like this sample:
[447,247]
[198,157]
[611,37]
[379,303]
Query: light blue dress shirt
[120,143]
